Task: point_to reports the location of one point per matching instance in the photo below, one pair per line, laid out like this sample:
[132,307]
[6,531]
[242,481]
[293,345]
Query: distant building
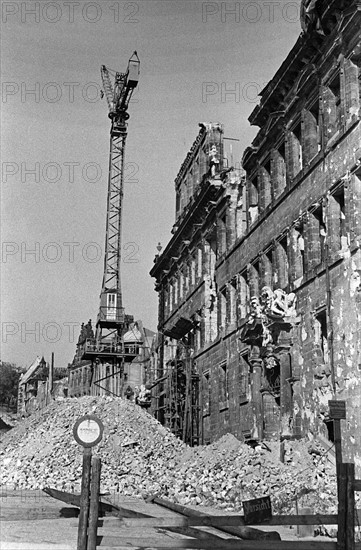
[260,285]
[29,386]
[40,385]
[87,377]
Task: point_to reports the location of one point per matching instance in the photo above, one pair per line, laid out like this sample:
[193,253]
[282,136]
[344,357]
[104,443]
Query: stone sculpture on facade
[278,304]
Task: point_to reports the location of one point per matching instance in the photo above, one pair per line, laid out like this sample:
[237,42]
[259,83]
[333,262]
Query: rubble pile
[227,472]
[140,457]
[42,452]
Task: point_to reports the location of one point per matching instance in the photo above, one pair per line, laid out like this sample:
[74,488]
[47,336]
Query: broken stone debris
[141,457]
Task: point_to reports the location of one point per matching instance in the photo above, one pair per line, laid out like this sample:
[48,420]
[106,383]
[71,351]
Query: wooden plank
[196,533]
[350,507]
[74,499]
[69,498]
[342,507]
[338,448]
[119,542]
[207,533]
[247,533]
[219,521]
[84,500]
[94,503]
[33,514]
[106,508]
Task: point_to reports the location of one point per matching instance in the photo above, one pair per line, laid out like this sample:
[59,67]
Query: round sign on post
[88,430]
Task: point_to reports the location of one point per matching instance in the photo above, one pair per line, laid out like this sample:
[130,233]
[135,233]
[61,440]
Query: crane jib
[112,321]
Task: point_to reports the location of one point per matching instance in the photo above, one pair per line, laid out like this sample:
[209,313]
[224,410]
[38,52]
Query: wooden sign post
[345,540]
[337,412]
[88,432]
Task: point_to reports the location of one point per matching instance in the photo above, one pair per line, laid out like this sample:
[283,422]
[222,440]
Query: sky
[199,62]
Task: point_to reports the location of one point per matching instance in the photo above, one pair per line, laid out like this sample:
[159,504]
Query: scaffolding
[176,394]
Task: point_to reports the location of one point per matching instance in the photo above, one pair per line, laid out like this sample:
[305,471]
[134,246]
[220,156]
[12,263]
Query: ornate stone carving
[257,318]
[273,307]
[278,304]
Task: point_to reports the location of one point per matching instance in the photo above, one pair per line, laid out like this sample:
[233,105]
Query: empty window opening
[335,87]
[199,263]
[198,336]
[278,171]
[241,213]
[244,379]
[267,269]
[339,197]
[181,285]
[206,394]
[211,252]
[319,216]
[296,151]
[321,334]
[222,236]
[233,301]
[187,277]
[300,251]
[283,266]
[223,385]
[244,294]
[223,309]
[193,271]
[265,188]
[253,190]
[176,285]
[315,111]
[254,278]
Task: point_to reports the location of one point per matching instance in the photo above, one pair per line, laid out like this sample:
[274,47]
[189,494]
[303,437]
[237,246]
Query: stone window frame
[223,387]
[278,187]
[294,134]
[320,214]
[333,103]
[222,237]
[223,309]
[264,184]
[244,294]
[253,192]
[206,389]
[281,249]
[313,108]
[298,272]
[244,379]
[338,195]
[232,298]
[320,330]
[199,262]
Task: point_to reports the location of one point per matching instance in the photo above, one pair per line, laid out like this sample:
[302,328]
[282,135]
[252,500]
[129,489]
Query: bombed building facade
[92,371]
[260,285]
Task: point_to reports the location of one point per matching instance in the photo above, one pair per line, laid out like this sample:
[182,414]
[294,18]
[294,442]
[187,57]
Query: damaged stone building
[92,371]
[260,285]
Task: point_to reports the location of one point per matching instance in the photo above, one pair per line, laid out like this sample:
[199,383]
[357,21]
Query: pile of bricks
[140,458]
[228,472]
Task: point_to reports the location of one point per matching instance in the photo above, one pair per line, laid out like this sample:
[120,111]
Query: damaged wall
[261,279]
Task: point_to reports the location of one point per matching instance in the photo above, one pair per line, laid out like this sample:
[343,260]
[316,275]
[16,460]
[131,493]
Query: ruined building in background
[89,376]
[260,285]
[39,385]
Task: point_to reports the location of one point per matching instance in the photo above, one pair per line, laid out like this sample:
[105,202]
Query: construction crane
[106,349]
